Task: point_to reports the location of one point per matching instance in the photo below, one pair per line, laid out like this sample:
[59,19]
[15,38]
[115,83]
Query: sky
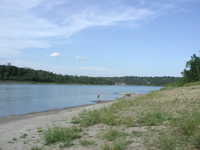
[100,37]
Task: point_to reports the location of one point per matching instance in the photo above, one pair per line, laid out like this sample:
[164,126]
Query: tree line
[13,73]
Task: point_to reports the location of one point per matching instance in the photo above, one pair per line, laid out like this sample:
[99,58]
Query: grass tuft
[87,142]
[120,144]
[89,118]
[167,142]
[67,135]
[154,118]
[113,134]
[36,148]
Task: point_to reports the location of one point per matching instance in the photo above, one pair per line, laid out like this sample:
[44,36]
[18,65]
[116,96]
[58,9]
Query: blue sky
[100,37]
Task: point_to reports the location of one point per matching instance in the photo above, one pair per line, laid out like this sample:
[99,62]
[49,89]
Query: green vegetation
[113,134]
[191,74]
[170,116]
[12,73]
[154,118]
[120,144]
[65,135]
[87,142]
[108,116]
[168,142]
[36,148]
[192,71]
[89,118]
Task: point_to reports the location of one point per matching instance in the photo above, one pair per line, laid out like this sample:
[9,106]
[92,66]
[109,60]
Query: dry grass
[169,120]
[176,109]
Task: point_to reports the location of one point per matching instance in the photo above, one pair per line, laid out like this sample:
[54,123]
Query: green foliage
[189,123]
[153,118]
[192,71]
[67,135]
[119,144]
[87,142]
[12,73]
[89,118]
[196,140]
[113,134]
[36,148]
[167,142]
[67,143]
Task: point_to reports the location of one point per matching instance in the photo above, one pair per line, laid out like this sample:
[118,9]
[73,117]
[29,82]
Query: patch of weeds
[129,121]
[87,142]
[113,134]
[137,133]
[120,144]
[14,139]
[154,118]
[36,148]
[39,130]
[89,118]
[53,135]
[167,142]
[189,123]
[24,136]
[196,140]
[66,144]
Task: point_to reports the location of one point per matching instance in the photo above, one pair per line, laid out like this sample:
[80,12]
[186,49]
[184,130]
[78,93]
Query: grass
[189,123]
[36,148]
[167,142]
[120,144]
[113,134]
[67,143]
[65,135]
[169,119]
[89,118]
[153,118]
[87,142]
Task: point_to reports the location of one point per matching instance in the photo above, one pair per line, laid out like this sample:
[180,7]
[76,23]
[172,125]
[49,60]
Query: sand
[21,132]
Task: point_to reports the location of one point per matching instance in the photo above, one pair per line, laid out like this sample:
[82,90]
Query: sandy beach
[21,132]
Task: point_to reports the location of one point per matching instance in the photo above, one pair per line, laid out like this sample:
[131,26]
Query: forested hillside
[13,73]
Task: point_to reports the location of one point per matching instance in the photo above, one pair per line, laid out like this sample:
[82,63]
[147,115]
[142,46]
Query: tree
[192,70]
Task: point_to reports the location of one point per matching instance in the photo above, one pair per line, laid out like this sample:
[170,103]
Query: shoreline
[10,118]
[14,128]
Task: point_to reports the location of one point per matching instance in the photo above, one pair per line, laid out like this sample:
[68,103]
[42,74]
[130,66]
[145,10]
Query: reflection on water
[25,98]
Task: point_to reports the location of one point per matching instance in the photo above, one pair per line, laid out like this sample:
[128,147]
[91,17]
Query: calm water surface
[26,98]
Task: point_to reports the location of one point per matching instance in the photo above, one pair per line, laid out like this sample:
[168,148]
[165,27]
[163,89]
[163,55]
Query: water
[18,99]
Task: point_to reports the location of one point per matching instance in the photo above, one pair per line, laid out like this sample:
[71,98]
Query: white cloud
[29,24]
[55,54]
